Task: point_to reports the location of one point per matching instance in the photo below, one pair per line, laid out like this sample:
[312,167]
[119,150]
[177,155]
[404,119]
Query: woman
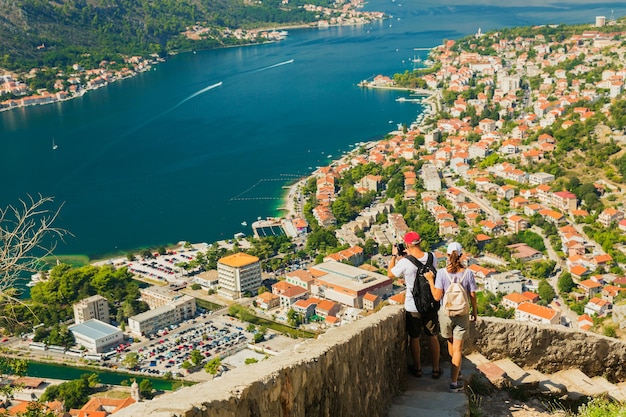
[454,327]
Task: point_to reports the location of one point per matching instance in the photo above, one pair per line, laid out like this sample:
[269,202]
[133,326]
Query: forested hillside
[36,33]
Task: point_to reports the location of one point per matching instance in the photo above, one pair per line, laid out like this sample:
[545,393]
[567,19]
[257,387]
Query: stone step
[427,397]
[517,377]
[494,374]
[619,393]
[429,404]
[476,359]
[578,384]
[616,392]
[478,363]
[547,386]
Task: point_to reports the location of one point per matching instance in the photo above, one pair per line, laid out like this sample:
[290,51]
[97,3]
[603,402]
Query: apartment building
[94,307]
[237,274]
[180,309]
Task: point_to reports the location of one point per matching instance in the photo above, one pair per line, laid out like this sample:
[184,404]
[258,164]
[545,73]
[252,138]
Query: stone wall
[549,349]
[358,369]
[348,371]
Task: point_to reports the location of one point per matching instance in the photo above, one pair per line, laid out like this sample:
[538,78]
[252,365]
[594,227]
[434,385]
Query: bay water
[208,139]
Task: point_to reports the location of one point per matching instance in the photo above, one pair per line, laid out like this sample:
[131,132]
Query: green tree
[145,389]
[565,283]
[294,318]
[74,394]
[196,357]
[131,360]
[545,290]
[213,366]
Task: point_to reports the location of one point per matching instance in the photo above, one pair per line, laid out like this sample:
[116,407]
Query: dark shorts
[416,322]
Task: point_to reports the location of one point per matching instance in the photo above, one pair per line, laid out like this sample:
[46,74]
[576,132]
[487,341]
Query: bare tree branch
[27,236]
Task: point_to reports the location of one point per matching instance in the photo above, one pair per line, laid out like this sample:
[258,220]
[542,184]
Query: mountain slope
[72,28]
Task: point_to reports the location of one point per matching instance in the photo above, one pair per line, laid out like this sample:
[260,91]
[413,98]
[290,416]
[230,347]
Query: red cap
[412,238]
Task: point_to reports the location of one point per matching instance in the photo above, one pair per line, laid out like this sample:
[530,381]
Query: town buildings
[180,308]
[96,336]
[237,274]
[94,307]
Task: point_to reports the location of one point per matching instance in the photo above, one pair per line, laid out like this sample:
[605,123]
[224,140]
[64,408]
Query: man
[416,323]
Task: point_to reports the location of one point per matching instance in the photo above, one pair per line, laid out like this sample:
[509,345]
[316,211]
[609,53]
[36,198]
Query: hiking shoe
[456,387]
[415,372]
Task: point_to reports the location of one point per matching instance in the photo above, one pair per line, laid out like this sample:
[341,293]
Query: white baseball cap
[455,246]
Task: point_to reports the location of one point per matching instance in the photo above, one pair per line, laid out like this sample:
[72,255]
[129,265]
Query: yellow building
[237,274]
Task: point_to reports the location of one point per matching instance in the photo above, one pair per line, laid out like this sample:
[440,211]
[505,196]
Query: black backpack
[422,295]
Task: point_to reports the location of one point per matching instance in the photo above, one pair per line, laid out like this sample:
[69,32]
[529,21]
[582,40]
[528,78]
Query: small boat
[244,223]
[54,145]
[31,283]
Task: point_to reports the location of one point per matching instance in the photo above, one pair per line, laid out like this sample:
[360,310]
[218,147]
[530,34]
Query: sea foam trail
[275,65]
[197,93]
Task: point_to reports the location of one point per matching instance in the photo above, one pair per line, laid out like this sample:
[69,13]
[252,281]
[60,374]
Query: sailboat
[54,145]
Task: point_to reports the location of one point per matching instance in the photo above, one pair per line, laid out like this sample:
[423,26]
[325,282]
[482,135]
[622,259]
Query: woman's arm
[436,292]
[474,313]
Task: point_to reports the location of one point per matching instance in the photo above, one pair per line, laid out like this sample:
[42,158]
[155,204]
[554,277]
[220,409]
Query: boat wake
[275,65]
[197,93]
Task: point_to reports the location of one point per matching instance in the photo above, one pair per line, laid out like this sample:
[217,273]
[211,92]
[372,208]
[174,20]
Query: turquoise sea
[174,155]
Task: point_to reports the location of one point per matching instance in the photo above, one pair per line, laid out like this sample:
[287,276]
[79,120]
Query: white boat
[244,223]
[412,100]
[54,145]
[31,283]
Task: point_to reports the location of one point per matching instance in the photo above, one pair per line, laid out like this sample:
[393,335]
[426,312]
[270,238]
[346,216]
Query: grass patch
[113,393]
[73,260]
[282,328]
[207,305]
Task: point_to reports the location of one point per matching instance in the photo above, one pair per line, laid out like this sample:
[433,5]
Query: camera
[401,249]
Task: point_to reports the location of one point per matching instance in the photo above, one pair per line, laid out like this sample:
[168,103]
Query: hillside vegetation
[37,33]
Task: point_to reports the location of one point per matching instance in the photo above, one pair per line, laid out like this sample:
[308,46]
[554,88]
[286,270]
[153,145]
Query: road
[492,213]
[553,279]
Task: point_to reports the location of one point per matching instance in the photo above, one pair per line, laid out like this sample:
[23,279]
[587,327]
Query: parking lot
[163,267]
[166,352]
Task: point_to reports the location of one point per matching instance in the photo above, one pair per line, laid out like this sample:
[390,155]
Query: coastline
[146,64]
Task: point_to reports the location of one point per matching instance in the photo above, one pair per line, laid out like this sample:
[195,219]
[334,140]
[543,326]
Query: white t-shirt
[407,269]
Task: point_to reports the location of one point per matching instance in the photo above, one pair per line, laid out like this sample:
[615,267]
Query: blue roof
[94,329]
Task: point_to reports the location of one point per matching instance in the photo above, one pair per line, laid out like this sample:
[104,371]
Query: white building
[94,307]
[505,282]
[237,274]
[157,296]
[430,176]
[539,178]
[533,313]
[346,284]
[151,321]
[96,336]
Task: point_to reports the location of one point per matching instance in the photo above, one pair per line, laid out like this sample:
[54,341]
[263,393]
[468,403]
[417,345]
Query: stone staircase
[568,383]
[430,398]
